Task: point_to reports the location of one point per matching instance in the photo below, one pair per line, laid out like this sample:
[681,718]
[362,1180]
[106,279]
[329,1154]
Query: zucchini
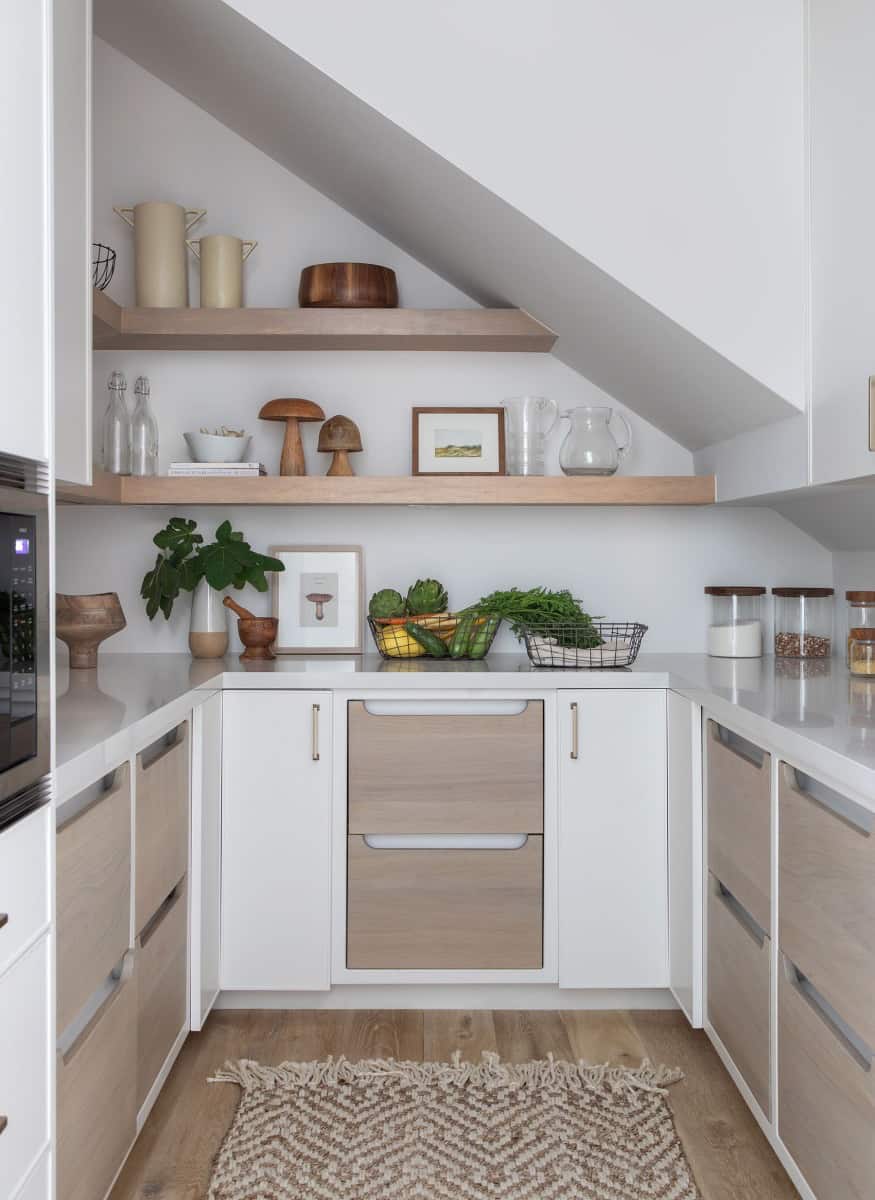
[481,637]
[459,640]
[429,641]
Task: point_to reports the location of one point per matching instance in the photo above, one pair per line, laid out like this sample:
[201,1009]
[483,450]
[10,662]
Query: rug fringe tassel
[489,1072]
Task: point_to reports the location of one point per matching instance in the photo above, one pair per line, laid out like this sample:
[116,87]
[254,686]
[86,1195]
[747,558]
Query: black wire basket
[102,265]
[462,636]
[599,645]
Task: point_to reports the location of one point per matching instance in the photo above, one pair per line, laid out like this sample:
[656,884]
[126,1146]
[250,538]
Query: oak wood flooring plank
[523,1035]
[445,1031]
[600,1037]
[380,1033]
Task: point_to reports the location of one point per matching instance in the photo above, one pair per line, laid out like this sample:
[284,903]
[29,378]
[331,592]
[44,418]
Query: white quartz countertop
[814,712]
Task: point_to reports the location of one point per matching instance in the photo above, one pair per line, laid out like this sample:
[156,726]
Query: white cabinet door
[206,857]
[613,888]
[71,70]
[686,901]
[25,218]
[276,853]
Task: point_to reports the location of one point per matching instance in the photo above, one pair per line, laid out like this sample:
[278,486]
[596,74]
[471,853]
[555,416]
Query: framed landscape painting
[318,599]
[458,441]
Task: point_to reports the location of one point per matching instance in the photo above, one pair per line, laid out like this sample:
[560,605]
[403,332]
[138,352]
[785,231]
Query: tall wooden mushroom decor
[292,412]
[340,436]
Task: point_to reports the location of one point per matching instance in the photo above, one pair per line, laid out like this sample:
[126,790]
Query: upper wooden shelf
[117,328]
[402,489]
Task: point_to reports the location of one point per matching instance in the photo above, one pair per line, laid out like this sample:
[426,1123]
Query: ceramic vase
[161,267]
[221,258]
[208,632]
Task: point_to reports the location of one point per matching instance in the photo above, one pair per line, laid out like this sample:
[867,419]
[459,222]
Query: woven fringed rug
[386,1130]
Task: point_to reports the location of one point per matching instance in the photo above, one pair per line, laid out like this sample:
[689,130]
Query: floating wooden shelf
[117,328]
[402,489]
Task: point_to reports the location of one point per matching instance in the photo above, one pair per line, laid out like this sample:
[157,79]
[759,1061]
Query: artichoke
[387,603]
[426,596]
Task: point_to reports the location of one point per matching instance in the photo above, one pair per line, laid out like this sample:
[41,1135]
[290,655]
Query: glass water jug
[589,447]
[528,420]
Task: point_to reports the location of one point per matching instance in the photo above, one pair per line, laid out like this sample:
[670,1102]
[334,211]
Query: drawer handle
[4,919]
[104,789]
[446,841]
[860,1051]
[154,923]
[164,745]
[445,708]
[737,909]
[78,1032]
[737,745]
[4,1121]
[847,810]
[315,753]
[575,731]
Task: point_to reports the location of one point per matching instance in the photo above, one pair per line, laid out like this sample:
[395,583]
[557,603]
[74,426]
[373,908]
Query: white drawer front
[39,1181]
[24,1065]
[24,883]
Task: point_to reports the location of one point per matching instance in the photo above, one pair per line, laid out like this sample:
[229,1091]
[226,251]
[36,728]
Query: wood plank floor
[171,1160]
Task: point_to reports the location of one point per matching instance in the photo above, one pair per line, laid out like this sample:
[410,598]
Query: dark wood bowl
[348,285]
[83,622]
[257,634]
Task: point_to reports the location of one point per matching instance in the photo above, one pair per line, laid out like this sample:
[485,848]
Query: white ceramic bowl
[213,448]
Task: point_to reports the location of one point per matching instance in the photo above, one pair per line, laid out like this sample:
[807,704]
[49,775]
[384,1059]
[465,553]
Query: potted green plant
[186,564]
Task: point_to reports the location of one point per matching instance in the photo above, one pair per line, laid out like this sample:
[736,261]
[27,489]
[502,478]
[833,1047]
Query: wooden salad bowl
[348,285]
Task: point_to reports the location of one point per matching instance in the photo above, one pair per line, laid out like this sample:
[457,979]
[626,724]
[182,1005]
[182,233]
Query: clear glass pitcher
[589,447]
[528,420]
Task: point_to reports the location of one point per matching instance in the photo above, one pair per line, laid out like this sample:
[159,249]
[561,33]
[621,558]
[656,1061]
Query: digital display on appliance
[22,545]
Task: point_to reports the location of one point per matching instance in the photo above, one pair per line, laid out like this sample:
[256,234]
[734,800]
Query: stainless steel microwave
[25,725]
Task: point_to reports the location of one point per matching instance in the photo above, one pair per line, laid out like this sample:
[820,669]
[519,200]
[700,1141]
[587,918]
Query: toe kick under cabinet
[445,835]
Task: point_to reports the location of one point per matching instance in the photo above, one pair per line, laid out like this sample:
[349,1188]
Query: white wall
[662,141]
[854,571]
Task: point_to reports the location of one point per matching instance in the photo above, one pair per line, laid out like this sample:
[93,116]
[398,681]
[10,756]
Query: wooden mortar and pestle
[256,633]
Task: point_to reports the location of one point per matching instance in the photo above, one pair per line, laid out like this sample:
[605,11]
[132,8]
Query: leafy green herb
[540,609]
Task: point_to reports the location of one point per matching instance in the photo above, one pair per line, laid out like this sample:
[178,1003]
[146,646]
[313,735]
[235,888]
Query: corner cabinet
[613,885]
[276,826]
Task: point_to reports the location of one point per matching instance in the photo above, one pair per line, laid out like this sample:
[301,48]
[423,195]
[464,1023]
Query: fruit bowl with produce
[418,625]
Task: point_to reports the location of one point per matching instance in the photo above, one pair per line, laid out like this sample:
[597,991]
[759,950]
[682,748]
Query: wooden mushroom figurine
[341,436]
[292,412]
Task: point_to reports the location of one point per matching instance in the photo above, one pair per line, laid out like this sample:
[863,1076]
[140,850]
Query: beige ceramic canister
[161,263]
[221,257]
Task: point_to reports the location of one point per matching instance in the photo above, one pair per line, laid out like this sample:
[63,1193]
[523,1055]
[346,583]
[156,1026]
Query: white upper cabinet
[842,131]
[25,218]
[71,70]
[613,886]
[276,827]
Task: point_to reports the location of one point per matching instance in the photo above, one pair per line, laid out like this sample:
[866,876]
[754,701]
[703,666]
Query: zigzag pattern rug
[386,1130]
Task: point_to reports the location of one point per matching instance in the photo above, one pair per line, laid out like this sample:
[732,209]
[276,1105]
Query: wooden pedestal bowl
[257,634]
[83,622]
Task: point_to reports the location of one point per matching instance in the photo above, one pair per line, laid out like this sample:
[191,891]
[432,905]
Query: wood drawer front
[826,1098]
[162,825]
[445,909]
[738,989]
[24,883]
[24,1064]
[94,895]
[97,1111]
[827,897]
[162,955]
[739,823]
[460,773]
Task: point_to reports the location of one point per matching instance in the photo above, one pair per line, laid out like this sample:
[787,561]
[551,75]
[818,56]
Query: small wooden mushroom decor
[340,436]
[293,412]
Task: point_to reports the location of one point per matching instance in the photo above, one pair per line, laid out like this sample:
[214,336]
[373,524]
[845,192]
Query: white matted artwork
[458,441]
[318,599]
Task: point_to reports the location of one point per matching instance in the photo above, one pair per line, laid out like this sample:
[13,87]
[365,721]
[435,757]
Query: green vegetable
[538,609]
[426,596]
[481,636]
[387,603]
[461,636]
[429,641]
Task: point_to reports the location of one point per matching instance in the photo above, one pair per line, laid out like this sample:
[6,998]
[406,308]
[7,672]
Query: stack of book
[240,470]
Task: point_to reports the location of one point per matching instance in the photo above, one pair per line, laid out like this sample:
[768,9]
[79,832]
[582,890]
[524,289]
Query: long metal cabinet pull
[575,733]
[315,733]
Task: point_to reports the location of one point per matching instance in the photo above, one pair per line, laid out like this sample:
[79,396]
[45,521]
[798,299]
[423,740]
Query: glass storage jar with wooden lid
[735,628]
[861,616]
[803,621]
[861,653]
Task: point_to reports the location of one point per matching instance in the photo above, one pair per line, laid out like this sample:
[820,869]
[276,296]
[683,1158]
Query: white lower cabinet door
[686,904]
[613,886]
[38,1185]
[276,828]
[24,1065]
[206,857]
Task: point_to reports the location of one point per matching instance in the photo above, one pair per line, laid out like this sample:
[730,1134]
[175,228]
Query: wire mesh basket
[601,644]
[461,635]
[102,265]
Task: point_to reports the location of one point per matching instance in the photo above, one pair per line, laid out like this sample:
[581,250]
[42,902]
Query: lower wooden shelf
[557,490]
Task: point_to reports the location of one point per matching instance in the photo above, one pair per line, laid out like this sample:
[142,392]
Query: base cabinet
[24,1055]
[613,885]
[276,833]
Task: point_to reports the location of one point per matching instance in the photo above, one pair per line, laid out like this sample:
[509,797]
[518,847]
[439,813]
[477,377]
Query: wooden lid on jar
[726,590]
[810,593]
[860,597]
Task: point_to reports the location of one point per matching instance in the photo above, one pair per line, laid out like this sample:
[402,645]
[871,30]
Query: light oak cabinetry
[162,821]
[613,886]
[276,827]
[162,954]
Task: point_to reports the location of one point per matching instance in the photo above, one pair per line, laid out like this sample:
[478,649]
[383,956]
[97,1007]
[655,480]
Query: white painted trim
[465,997]
[700,867]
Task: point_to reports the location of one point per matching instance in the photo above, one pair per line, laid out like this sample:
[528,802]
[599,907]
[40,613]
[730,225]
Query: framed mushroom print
[318,599]
[458,441]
